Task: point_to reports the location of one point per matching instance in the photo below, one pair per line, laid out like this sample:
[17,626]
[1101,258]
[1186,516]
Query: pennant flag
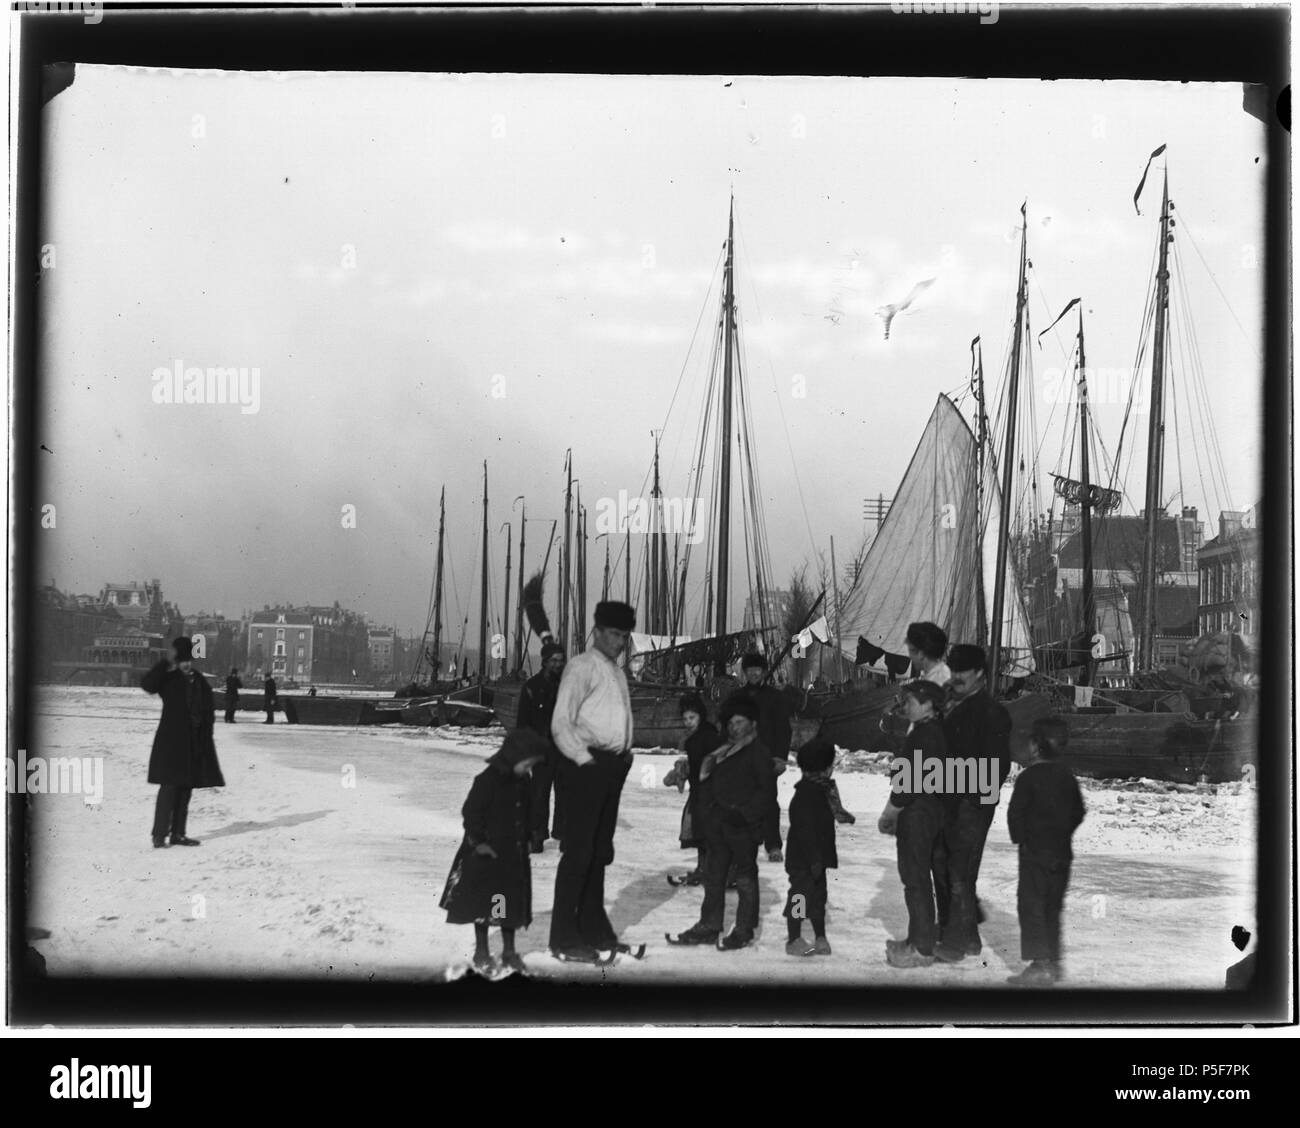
[1142,182]
[820,630]
[1074,302]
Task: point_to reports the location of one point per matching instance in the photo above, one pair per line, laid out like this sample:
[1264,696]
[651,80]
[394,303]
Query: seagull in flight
[887,313]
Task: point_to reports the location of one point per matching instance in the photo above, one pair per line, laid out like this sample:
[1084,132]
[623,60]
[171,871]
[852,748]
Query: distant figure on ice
[491,882]
[737,788]
[774,734]
[1045,810]
[592,727]
[701,739]
[184,755]
[233,686]
[915,814]
[536,708]
[810,849]
[268,688]
[975,728]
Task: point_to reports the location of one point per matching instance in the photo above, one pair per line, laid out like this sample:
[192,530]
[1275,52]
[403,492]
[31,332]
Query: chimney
[1230,522]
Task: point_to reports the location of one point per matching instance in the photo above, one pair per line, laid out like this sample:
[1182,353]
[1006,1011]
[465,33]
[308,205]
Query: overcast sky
[430,271]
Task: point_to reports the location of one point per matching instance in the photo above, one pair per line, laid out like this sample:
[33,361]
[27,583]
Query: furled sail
[923,564]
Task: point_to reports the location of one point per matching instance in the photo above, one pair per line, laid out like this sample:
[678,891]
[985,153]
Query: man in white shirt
[592,728]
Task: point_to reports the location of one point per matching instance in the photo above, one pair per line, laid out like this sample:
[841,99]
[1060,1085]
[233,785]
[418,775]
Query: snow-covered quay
[326,852]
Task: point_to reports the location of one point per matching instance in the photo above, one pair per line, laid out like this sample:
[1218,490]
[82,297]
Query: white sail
[923,564]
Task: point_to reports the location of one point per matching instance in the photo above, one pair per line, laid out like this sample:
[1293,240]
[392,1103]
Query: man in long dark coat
[233,686]
[269,690]
[774,734]
[536,708]
[184,755]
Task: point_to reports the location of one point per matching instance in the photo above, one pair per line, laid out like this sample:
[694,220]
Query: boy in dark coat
[810,849]
[915,813]
[1046,807]
[233,686]
[491,878]
[184,755]
[978,728]
[536,708]
[737,787]
[701,739]
[774,733]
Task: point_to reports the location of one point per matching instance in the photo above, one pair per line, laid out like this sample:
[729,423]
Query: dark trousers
[1039,897]
[966,829]
[772,826]
[730,851]
[270,714]
[544,826]
[807,899]
[589,798]
[920,826]
[231,705]
[171,810]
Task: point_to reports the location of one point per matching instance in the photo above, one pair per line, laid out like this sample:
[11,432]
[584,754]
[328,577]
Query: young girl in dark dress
[701,739]
[490,882]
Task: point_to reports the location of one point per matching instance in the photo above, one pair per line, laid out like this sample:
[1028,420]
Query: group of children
[731,780]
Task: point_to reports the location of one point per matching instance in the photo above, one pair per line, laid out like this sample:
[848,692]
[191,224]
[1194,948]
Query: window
[279,650]
[259,636]
[300,652]
[300,667]
[302,635]
[279,632]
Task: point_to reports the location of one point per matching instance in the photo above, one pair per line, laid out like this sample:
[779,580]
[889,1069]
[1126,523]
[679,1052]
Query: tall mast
[724,481]
[652,594]
[1008,463]
[519,612]
[981,446]
[580,635]
[505,615]
[835,592]
[1085,506]
[483,588]
[604,587]
[565,551]
[627,567]
[437,590]
[1155,444]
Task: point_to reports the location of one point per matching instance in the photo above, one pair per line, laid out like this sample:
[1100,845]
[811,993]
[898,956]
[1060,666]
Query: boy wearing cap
[774,733]
[974,727]
[810,849]
[737,786]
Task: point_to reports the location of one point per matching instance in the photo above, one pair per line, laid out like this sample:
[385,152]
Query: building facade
[282,643]
[1228,574]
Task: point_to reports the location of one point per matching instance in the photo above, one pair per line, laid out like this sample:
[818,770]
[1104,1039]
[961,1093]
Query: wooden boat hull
[1176,747]
[299,709]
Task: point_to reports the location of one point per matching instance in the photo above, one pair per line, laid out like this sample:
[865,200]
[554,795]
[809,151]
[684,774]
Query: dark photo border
[1248,46]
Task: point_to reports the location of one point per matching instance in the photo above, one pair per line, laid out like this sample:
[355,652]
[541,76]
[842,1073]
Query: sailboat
[933,560]
[1144,730]
[667,656]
